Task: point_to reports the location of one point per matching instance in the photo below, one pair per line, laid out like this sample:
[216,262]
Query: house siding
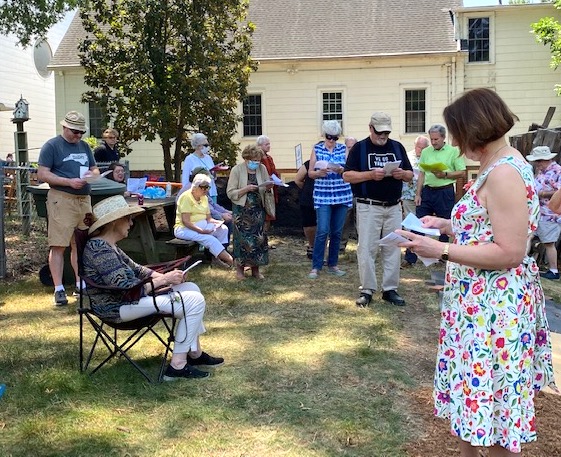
[292,102]
[18,77]
[520,73]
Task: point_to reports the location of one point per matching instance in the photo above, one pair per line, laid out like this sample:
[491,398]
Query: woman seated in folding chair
[106,264]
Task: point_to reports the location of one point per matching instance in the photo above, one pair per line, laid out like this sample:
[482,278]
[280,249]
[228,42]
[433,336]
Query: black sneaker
[76,293]
[172,374]
[205,361]
[364,300]
[393,297]
[60,298]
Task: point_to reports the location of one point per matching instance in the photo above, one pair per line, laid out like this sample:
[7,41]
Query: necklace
[484,166]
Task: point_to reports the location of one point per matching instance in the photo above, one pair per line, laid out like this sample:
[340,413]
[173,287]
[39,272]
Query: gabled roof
[319,29]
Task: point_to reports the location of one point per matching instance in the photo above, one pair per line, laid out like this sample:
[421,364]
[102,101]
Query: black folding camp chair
[120,338]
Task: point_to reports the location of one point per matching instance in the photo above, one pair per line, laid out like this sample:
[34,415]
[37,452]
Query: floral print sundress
[494,348]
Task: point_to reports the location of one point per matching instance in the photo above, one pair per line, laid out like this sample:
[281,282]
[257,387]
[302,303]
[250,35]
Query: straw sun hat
[110,210]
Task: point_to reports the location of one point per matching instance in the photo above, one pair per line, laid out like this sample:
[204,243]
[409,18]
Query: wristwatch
[444,255]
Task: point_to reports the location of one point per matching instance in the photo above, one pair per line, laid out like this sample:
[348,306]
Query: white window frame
[412,86]
[261,93]
[331,89]
[492,41]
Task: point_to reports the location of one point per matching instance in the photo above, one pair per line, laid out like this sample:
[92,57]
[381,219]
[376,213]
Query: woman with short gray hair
[332,197]
[199,158]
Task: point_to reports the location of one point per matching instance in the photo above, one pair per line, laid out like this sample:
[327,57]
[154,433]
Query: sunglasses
[331,137]
[77,132]
[204,187]
[385,132]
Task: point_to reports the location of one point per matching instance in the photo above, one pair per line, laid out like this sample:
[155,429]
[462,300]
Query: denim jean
[330,220]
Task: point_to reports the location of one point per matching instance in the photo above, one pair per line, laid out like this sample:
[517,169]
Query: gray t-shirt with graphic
[67,160]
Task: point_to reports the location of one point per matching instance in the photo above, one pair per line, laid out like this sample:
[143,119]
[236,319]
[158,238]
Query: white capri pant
[190,314]
[214,242]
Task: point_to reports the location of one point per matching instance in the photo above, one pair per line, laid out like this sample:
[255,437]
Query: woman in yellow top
[193,221]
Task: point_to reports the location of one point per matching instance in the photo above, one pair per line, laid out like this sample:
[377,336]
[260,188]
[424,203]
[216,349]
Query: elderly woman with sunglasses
[332,197]
[193,221]
[199,158]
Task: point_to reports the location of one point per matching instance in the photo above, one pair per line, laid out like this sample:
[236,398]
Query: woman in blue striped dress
[332,197]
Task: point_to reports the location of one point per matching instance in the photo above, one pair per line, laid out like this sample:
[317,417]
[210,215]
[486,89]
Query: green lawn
[307,373]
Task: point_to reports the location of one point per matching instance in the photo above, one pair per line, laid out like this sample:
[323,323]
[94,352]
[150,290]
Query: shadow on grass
[307,373]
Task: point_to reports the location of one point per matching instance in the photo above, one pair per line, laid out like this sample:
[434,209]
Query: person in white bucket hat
[67,164]
[106,264]
[547,181]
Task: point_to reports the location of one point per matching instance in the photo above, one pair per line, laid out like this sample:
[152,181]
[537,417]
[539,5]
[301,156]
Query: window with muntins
[415,111]
[332,106]
[98,119]
[252,115]
[478,39]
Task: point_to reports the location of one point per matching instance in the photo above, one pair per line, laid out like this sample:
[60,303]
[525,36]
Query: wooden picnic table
[146,243]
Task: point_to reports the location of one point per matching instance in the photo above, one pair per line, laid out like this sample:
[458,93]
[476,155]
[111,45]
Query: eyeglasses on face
[331,137]
[77,132]
[385,132]
[204,187]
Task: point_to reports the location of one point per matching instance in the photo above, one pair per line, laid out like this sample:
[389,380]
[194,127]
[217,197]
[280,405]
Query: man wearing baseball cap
[378,209]
[66,163]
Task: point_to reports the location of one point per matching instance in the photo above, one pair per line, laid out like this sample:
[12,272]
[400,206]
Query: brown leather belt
[369,201]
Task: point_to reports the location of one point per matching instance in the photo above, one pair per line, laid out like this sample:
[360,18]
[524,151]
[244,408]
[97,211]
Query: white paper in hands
[394,239]
[413,223]
[277,181]
[391,166]
[325,165]
[191,266]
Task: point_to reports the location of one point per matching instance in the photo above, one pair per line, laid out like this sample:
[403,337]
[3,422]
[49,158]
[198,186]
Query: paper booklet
[324,164]
[391,166]
[394,240]
[432,167]
[413,223]
[274,180]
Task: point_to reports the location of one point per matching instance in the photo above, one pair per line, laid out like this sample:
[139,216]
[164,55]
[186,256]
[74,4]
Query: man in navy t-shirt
[376,168]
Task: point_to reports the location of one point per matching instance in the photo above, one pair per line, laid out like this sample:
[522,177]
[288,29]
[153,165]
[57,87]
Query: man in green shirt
[440,165]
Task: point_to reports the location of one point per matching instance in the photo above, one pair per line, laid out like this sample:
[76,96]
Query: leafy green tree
[547,31]
[167,68]
[29,19]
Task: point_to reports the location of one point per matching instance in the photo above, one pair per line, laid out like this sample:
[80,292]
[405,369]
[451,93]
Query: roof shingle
[307,29]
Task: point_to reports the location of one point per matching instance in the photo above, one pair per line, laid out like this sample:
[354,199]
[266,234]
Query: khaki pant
[65,212]
[374,223]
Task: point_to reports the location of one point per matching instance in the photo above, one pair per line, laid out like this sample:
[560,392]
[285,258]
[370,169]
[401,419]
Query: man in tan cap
[66,163]
[378,211]
[547,182]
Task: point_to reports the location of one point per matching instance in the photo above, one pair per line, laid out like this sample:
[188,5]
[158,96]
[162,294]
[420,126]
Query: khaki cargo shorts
[65,212]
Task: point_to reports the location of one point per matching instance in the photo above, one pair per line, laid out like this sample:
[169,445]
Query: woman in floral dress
[246,189]
[494,350]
